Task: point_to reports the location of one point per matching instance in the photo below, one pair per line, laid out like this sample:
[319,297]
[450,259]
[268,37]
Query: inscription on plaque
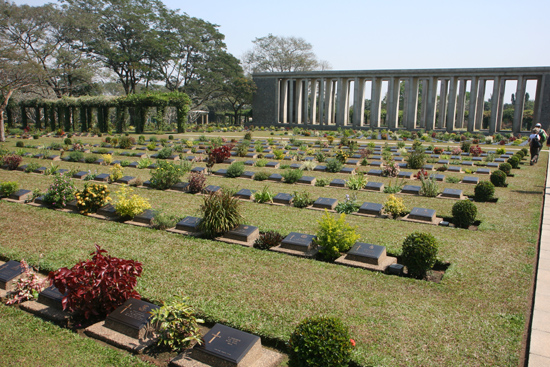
[189,224]
[243,233]
[423,214]
[325,203]
[298,241]
[9,273]
[282,198]
[367,253]
[145,217]
[51,297]
[371,208]
[132,318]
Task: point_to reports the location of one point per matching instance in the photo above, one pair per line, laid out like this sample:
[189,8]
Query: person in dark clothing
[534,145]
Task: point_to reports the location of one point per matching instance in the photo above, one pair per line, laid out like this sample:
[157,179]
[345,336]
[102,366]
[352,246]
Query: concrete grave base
[137,224]
[13,200]
[45,311]
[99,331]
[115,218]
[435,221]
[387,261]
[250,243]
[185,233]
[440,196]
[268,358]
[383,216]
[308,254]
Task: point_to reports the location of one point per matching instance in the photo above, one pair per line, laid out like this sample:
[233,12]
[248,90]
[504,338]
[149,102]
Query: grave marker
[244,194]
[367,256]
[452,193]
[325,203]
[374,186]
[10,272]
[132,318]
[282,198]
[298,241]
[51,297]
[338,182]
[411,189]
[243,233]
[371,209]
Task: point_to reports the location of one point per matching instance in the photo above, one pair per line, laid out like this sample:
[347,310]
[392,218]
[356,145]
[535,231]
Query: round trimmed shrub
[505,167]
[498,178]
[525,151]
[464,213]
[520,154]
[19,144]
[419,253]
[514,161]
[320,341]
[484,191]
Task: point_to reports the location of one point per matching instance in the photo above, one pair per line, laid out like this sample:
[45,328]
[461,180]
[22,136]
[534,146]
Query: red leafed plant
[475,150]
[12,161]
[421,174]
[97,286]
[218,155]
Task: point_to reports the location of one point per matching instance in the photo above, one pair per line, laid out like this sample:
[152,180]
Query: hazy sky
[388,34]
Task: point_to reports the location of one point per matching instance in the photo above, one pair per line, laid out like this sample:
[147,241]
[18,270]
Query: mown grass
[475,316]
[29,341]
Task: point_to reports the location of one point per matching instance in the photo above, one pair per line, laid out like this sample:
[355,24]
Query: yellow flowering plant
[129,205]
[394,206]
[116,173]
[92,197]
[107,159]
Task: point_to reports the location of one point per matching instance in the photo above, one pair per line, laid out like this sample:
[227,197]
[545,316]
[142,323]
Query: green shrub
[395,206]
[452,179]
[302,199]
[166,175]
[520,154]
[505,167]
[291,176]
[90,159]
[498,178]
[235,170]
[393,188]
[357,182]
[322,182]
[513,161]
[31,167]
[525,151]
[162,220]
[221,212]
[19,144]
[144,163]
[464,213]
[128,205]
[268,240]
[67,141]
[177,325]
[8,188]
[419,253]
[334,165]
[92,197]
[61,191]
[335,236]
[115,173]
[261,162]
[484,191]
[126,142]
[242,149]
[261,176]
[263,195]
[76,156]
[164,153]
[429,187]
[416,159]
[348,206]
[320,341]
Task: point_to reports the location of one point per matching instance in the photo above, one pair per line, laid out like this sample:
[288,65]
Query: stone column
[322,87]
[460,104]
[495,102]
[299,101]
[291,102]
[538,104]
[424,104]
[451,109]
[544,116]
[431,105]
[359,102]
[443,104]
[328,102]
[411,106]
[480,104]
[500,104]
[313,105]
[472,108]
[392,103]
[375,102]
[518,108]
[342,103]
[284,101]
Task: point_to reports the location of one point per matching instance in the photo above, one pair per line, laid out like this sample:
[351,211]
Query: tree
[280,54]
[16,73]
[239,93]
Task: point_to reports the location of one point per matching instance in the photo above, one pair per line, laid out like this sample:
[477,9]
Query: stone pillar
[291,102]
[322,87]
[359,102]
[411,105]
[299,101]
[431,105]
[342,102]
[451,109]
[538,104]
[375,102]
[392,103]
[495,103]
[328,102]
[424,104]
[472,108]
[284,101]
[443,104]
[460,104]
[518,108]
[480,104]
[544,116]
[313,104]
[500,104]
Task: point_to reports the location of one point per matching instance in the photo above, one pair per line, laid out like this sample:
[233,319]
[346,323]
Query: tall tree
[279,54]
[239,93]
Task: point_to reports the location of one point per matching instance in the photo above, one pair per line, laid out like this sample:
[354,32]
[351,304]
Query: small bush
[12,161]
[218,155]
[484,191]
[126,142]
[107,159]
[261,176]
[357,182]
[464,213]
[92,197]
[19,144]
[263,195]
[393,188]
[322,182]
[429,187]
[261,162]
[221,212]
[61,191]
[235,170]
[144,163]
[348,206]
[394,206]
[506,168]
[98,286]
[31,167]
[89,159]
[452,179]
[116,173]
[128,205]
[67,141]
[164,153]
[166,175]
[498,178]
[302,199]
[291,176]
[320,341]
[334,165]
[8,188]
[197,182]
[268,240]
[513,161]
[177,325]
[419,253]
[416,159]
[162,220]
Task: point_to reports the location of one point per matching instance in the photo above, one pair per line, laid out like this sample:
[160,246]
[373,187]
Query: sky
[387,34]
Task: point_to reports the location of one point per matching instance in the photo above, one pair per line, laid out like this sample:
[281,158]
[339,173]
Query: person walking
[535,144]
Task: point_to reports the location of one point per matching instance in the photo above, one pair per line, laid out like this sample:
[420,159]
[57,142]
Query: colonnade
[428,99]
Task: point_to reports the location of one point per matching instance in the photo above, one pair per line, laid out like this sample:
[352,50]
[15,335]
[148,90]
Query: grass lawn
[475,316]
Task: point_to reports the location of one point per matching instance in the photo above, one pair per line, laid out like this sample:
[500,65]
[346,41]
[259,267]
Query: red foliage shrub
[218,155]
[438,150]
[97,286]
[197,182]
[475,150]
[12,161]
[421,174]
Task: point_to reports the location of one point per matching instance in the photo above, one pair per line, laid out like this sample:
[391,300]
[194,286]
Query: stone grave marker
[198,169]
[411,189]
[403,174]
[428,167]
[454,169]
[248,174]
[131,319]
[443,161]
[374,186]
[348,170]
[295,166]
[470,180]
[210,189]
[352,162]
[371,209]
[298,241]
[375,163]
[398,159]
[21,168]
[423,214]
[126,180]
[10,272]
[189,224]
[21,195]
[272,164]
[338,182]
[492,164]
[243,234]
[40,170]
[221,172]
[51,297]
[500,160]
[224,346]
[107,211]
[244,194]
[251,155]
[275,177]
[452,194]
[483,171]
[438,177]
[456,157]
[320,168]
[367,256]
[325,203]
[376,157]
[477,159]
[249,163]
[282,198]
[374,172]
[467,163]
[145,217]
[115,162]
[307,180]
[102,177]
[229,161]
[180,186]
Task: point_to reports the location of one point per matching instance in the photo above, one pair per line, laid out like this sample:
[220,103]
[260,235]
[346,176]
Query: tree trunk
[37,123]
[3,106]
[24,120]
